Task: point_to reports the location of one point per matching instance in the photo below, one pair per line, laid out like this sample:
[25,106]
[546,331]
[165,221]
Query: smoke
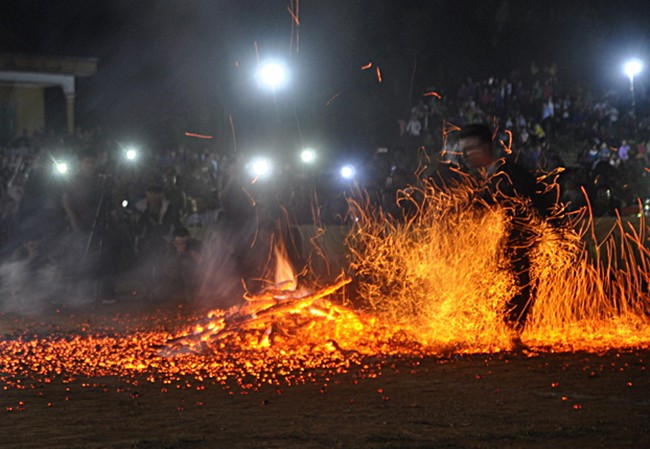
[233,260]
[38,277]
[63,273]
[24,290]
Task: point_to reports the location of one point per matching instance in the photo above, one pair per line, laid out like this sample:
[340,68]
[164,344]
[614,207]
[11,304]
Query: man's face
[181,244]
[169,180]
[476,153]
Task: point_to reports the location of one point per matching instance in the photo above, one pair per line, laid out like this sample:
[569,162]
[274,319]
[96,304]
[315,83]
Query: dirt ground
[546,400]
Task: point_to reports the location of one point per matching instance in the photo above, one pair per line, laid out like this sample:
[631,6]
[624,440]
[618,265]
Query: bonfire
[429,283]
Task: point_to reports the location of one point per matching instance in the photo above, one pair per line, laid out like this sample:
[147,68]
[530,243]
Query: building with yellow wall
[23,80]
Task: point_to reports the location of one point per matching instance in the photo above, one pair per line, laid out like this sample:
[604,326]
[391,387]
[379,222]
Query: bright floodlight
[272,74]
[260,167]
[61,167]
[348,171]
[308,156]
[633,67]
[131,154]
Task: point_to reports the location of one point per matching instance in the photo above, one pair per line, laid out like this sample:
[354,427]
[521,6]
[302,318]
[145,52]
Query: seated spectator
[539,132]
[624,151]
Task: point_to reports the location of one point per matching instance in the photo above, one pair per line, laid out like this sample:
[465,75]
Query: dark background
[171,66]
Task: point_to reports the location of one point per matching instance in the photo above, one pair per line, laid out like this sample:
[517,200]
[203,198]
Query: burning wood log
[261,312]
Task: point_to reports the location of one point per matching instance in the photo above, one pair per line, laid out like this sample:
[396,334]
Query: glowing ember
[278,336]
[276,314]
[429,284]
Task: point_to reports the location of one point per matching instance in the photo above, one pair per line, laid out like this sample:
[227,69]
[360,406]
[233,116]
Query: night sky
[186,65]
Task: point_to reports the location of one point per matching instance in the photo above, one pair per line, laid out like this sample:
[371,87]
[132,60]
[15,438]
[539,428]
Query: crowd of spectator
[599,139]
[75,209]
[180,221]
[169,216]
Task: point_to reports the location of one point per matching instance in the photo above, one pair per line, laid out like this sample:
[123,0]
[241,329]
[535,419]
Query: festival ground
[541,400]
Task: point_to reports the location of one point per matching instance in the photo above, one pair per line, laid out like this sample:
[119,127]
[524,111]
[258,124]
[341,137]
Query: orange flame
[284,274]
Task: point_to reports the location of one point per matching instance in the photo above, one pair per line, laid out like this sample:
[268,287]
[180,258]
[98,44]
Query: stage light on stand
[131,154]
[308,156]
[272,74]
[632,68]
[61,168]
[260,167]
[348,172]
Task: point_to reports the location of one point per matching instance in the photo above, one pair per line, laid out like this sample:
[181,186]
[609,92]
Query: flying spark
[336,95]
[198,136]
[432,94]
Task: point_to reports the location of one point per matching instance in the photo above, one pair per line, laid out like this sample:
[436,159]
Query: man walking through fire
[513,187]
